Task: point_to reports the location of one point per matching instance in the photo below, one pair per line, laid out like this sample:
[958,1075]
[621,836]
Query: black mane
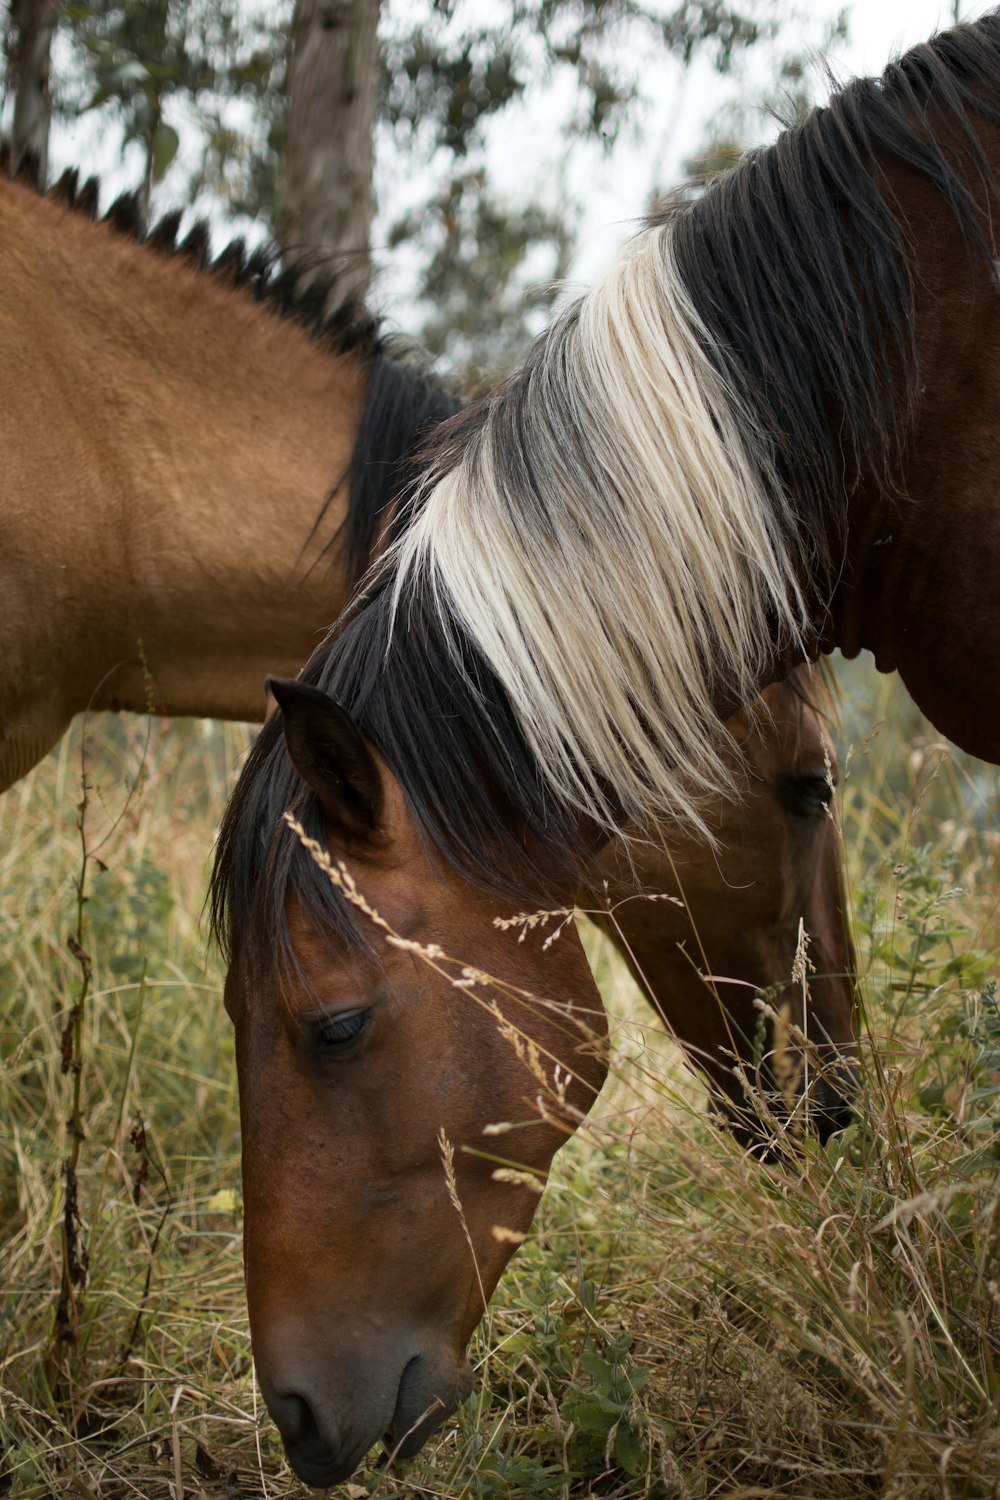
[803,278]
[422,707]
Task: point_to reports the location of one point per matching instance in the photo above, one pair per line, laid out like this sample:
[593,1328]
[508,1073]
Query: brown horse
[768,433]
[364,1052]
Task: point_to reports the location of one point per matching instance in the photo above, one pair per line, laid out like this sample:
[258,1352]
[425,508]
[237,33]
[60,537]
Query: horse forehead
[788,735]
[397,891]
[398,822]
[418,892]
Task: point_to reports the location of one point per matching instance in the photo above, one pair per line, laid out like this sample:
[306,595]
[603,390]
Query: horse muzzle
[327,1428]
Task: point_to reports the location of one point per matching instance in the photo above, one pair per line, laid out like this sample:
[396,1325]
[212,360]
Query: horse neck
[921,578]
[168,446]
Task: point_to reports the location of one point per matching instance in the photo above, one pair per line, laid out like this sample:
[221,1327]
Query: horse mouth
[322,1474]
[422,1404]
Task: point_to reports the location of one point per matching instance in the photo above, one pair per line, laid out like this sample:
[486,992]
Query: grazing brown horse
[385,1021]
[770,432]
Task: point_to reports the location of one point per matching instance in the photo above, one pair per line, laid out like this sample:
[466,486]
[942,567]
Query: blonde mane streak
[642,575]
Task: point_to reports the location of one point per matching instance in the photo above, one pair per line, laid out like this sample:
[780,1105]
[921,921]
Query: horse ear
[331,755]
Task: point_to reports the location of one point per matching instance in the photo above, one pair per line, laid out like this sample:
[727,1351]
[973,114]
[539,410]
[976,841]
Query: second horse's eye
[806,794]
[335,1033]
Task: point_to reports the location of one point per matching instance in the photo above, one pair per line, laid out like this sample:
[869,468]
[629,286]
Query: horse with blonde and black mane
[770,432]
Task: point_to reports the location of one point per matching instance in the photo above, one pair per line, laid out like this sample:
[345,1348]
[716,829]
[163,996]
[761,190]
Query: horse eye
[335,1033]
[806,794]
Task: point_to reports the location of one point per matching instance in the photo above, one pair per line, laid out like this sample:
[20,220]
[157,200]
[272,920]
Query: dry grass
[683,1322]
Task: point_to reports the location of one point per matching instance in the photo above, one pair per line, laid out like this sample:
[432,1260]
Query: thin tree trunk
[29,41]
[326,196]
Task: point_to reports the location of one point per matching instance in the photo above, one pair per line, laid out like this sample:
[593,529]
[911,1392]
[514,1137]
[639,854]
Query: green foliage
[145,59]
[451,74]
[488,277]
[426,83]
[128,908]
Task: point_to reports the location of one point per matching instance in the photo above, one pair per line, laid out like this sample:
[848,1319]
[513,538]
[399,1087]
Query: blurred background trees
[28,45]
[296,115]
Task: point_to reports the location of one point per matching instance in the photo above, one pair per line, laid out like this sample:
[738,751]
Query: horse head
[379,1214]
[749,959]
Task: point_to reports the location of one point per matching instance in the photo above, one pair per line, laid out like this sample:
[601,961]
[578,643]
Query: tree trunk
[29,40]
[326,197]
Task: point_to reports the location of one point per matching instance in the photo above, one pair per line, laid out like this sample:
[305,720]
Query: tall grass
[684,1321]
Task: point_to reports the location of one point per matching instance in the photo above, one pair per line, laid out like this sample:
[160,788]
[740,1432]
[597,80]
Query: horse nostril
[315,1451]
[294,1419]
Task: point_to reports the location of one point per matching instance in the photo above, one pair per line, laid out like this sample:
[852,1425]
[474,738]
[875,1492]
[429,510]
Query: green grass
[683,1322]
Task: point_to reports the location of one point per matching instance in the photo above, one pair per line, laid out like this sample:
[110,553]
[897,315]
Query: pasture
[683,1322]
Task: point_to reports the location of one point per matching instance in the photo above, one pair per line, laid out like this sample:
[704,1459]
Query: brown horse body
[165,450]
